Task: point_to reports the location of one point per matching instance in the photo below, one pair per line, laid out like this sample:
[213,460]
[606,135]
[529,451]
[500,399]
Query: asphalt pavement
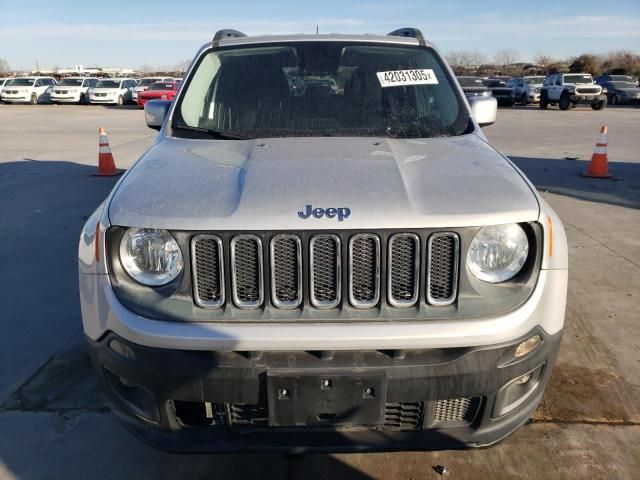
[54,422]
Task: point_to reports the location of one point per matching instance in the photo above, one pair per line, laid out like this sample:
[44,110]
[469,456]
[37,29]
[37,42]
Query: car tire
[599,105]
[614,100]
[121,101]
[565,102]
[83,99]
[544,100]
[34,99]
[524,100]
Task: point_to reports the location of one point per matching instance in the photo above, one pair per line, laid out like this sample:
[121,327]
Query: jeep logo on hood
[341,213]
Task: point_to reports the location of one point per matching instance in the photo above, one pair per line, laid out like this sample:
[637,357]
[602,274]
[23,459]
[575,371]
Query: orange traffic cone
[599,164]
[106,165]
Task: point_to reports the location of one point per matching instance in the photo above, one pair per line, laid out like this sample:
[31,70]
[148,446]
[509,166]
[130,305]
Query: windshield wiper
[221,134]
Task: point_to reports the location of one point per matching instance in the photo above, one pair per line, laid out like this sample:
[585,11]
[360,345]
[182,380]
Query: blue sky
[131,34]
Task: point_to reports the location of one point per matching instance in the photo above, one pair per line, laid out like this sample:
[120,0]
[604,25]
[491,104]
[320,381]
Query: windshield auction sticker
[396,78]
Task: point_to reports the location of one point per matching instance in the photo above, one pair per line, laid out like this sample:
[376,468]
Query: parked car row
[82,90]
[563,89]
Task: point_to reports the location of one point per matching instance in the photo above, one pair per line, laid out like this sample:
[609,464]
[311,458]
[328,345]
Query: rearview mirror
[484,110]
[155,111]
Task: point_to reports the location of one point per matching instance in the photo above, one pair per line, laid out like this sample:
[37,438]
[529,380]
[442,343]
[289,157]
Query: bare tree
[543,59]
[586,63]
[506,57]
[4,65]
[466,59]
[182,66]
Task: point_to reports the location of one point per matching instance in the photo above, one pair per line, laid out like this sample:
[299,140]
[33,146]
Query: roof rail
[409,32]
[227,33]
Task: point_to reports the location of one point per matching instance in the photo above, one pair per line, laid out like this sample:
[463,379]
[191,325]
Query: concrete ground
[53,421]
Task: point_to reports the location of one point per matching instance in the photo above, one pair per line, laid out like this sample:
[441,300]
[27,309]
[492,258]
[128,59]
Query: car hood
[262,184]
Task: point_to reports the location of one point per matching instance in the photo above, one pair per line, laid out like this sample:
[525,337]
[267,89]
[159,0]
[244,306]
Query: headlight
[498,252]
[151,257]
[486,94]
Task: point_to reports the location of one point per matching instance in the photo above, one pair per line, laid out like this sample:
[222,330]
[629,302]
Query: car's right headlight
[498,252]
[150,256]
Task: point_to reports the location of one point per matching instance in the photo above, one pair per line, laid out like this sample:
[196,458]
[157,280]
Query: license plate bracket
[329,400]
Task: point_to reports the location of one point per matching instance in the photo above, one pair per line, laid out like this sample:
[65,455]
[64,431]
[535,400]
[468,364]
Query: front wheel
[524,100]
[599,105]
[83,99]
[614,100]
[565,102]
[120,101]
[544,101]
[34,99]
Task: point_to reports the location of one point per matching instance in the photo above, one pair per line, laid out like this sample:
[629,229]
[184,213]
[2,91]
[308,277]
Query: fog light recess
[517,391]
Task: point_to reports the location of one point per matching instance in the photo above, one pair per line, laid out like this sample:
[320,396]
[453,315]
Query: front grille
[397,416]
[404,265]
[246,271]
[326,274]
[207,266]
[242,414]
[303,265]
[587,90]
[403,416]
[286,271]
[442,270]
[454,410]
[364,268]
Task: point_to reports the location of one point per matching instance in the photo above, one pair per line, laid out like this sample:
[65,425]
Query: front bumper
[427,398]
[106,100]
[65,98]
[14,98]
[587,99]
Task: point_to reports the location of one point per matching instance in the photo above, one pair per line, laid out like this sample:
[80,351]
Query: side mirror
[155,111]
[484,110]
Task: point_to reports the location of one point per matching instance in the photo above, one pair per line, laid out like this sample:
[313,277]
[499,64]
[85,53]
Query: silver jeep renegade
[322,251]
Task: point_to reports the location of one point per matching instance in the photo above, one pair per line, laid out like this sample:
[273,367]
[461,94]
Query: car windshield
[620,78]
[108,84]
[161,86]
[578,79]
[70,82]
[470,82]
[496,83]
[623,84]
[534,80]
[145,82]
[20,82]
[321,89]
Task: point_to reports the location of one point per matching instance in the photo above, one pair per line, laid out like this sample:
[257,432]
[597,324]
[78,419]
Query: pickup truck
[570,89]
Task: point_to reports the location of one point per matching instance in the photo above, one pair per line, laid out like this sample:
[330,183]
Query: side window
[37,83]
[559,80]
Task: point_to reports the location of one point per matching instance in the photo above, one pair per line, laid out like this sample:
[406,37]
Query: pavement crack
[611,423]
[604,245]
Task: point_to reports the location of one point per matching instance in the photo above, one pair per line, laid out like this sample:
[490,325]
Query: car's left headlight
[498,252]
[150,256]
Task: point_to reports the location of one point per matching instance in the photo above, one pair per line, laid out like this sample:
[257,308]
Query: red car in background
[158,91]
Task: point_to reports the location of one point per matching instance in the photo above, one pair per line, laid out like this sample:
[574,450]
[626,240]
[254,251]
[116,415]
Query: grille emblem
[309,211]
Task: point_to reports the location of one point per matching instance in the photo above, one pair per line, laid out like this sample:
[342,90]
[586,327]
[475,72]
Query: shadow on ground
[51,408]
[564,177]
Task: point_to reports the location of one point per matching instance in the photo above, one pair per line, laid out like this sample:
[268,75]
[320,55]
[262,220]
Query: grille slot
[403,416]
[404,265]
[455,410]
[364,270]
[286,271]
[246,271]
[442,268]
[242,414]
[208,270]
[325,271]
